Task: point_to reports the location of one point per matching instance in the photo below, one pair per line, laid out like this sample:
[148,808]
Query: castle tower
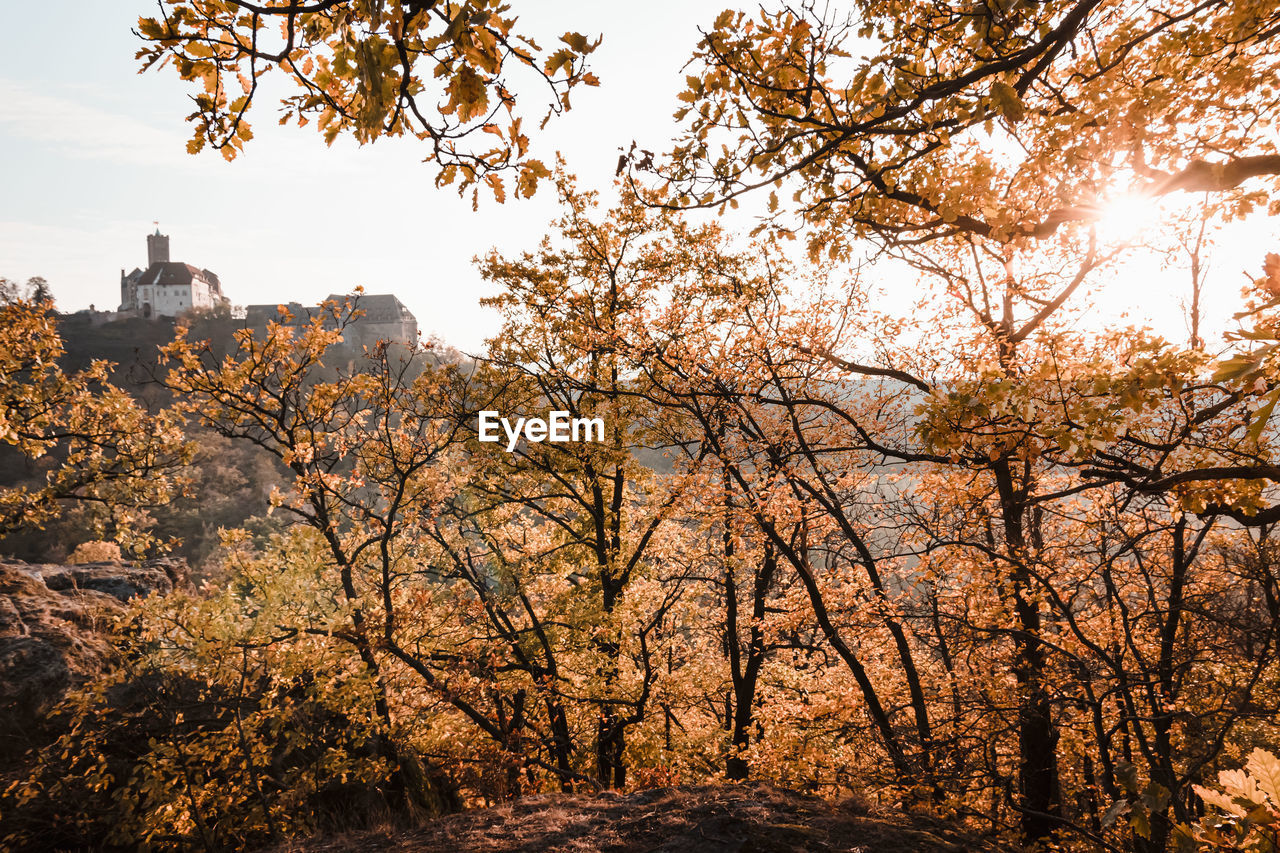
[157,248]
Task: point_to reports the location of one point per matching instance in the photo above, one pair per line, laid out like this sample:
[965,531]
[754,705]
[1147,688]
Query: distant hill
[132,343]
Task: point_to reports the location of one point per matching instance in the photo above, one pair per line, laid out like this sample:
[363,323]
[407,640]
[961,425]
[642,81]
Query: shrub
[221,730]
[95,551]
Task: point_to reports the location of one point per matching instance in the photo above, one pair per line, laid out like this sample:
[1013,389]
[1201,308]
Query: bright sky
[91,153]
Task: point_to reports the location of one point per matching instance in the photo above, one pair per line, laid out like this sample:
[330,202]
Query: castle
[382,317]
[170,288]
[167,288]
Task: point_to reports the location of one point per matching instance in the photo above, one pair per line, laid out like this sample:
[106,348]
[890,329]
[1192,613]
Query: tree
[36,291]
[362,443]
[981,146]
[446,602]
[39,292]
[96,447]
[893,121]
[722,358]
[982,557]
[566,307]
[434,71]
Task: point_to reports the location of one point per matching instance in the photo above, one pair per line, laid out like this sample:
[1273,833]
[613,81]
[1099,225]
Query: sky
[92,153]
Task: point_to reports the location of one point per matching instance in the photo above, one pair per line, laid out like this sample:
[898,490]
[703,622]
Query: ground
[719,819]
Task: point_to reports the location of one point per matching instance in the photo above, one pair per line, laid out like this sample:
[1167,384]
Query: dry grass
[721,819]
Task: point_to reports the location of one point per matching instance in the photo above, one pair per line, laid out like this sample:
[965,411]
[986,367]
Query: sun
[1126,218]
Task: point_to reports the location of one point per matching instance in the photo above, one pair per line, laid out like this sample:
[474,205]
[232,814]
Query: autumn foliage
[983,556]
[95,445]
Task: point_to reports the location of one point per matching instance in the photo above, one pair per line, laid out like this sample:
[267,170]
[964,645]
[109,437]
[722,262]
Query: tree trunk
[1039,794]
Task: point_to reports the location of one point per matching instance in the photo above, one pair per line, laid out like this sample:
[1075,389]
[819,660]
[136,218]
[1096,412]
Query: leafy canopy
[914,121]
[439,72]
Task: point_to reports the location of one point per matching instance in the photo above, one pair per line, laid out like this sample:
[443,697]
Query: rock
[34,674]
[119,580]
[55,624]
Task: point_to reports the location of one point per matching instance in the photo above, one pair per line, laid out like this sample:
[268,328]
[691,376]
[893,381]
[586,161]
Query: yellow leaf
[1007,101]
[1262,765]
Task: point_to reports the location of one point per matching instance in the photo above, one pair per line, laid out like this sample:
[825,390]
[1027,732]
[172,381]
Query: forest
[983,553]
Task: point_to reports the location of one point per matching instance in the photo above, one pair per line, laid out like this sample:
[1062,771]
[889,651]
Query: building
[167,288]
[381,317]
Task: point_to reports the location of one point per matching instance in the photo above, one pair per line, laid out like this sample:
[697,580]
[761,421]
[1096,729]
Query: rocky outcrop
[55,624]
[122,581]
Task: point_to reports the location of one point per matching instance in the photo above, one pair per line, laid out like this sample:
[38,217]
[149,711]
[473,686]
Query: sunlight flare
[1128,217]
